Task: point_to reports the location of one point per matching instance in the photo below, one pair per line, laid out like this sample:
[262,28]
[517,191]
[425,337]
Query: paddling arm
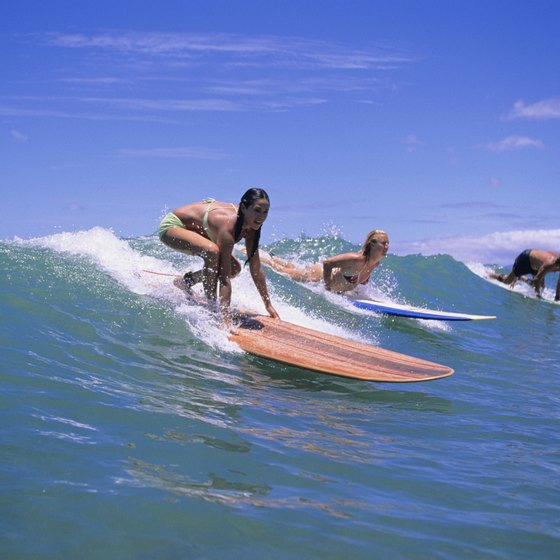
[259,278]
[538,281]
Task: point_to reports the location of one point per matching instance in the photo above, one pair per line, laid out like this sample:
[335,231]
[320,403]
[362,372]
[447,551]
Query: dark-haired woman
[209,229]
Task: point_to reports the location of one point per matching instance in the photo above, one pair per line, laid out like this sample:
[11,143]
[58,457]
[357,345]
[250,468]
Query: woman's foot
[188,279]
[185,282]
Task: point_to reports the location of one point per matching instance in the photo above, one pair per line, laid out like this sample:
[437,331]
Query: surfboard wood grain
[314,350]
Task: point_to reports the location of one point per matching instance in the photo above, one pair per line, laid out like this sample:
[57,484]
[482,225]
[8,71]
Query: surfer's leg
[235,267]
[266,258]
[312,273]
[538,286]
[187,281]
[210,273]
[192,278]
[521,267]
[282,265]
[511,278]
[192,243]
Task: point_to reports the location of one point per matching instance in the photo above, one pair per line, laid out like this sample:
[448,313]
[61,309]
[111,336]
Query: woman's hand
[228,321]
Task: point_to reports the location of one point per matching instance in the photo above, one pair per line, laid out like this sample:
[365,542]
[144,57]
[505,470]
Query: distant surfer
[209,229]
[341,273]
[537,263]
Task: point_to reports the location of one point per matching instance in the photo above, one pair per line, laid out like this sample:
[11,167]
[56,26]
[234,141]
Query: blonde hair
[370,237]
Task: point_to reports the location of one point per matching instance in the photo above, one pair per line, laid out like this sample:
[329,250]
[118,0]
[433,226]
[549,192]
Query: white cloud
[512,143]
[184,153]
[180,73]
[74,207]
[18,136]
[411,143]
[66,114]
[244,50]
[493,248]
[542,110]
[495,182]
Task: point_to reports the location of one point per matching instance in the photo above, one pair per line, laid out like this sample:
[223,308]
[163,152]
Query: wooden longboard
[314,350]
[310,349]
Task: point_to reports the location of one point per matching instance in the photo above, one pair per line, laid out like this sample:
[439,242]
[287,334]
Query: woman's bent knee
[235,267]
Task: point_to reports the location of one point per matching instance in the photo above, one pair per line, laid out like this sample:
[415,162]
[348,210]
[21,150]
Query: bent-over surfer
[341,273]
[209,229]
[536,262]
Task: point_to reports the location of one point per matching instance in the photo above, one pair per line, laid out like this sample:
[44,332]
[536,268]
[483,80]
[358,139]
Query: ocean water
[133,429]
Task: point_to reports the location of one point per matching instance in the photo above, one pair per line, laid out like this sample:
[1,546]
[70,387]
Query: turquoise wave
[133,428]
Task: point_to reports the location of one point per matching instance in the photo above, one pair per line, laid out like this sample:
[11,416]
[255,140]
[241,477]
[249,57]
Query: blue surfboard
[390,308]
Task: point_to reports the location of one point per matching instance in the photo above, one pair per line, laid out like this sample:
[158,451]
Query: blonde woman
[341,273]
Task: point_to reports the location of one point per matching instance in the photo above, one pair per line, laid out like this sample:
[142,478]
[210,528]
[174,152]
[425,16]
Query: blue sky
[438,121]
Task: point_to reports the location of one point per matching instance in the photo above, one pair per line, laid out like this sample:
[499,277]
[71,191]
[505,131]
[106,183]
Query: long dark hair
[247,200]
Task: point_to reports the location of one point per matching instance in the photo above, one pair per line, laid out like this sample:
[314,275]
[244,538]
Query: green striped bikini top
[205,225]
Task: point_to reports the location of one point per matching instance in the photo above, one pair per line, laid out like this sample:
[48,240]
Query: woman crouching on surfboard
[209,229]
[341,273]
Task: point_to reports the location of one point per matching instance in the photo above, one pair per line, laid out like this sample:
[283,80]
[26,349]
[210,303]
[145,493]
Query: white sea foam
[150,276]
[519,287]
